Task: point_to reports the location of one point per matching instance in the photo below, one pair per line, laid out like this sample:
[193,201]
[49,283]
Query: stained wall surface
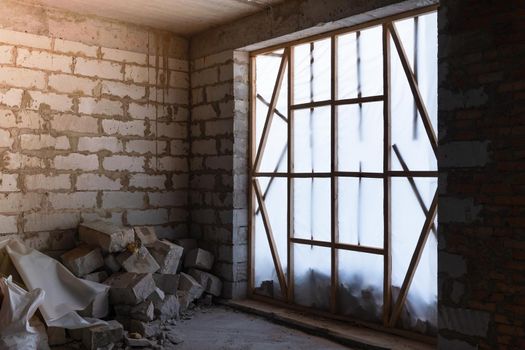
[93,125]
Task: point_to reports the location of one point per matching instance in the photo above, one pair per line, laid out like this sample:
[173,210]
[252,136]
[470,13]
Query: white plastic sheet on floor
[63,293]
[18,328]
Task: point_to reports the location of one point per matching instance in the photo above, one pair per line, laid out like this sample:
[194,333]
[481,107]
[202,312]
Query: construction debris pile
[153,283]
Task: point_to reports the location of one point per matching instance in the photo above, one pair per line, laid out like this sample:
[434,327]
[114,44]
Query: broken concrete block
[186,243]
[112,264]
[103,335]
[167,255]
[139,261]
[144,311]
[109,237]
[166,306]
[266,288]
[139,342]
[83,260]
[98,308]
[130,288]
[56,336]
[211,284]
[168,283]
[206,301]
[199,259]
[185,299]
[98,277]
[145,235]
[190,285]
[169,308]
[146,329]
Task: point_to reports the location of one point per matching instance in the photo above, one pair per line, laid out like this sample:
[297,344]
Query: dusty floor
[224,328]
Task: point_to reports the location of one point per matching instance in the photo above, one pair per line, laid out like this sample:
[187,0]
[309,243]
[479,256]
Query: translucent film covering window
[343,163]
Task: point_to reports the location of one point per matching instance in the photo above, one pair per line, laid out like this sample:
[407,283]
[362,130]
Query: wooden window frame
[391,309]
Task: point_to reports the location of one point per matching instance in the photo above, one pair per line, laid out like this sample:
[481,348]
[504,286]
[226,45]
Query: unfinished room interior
[262,174]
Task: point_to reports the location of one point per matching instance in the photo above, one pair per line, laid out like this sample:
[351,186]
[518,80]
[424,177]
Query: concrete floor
[220,327]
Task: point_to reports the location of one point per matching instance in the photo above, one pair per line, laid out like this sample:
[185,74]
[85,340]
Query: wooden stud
[271,110]
[270,236]
[415,89]
[334,181]
[290,188]
[387,262]
[413,184]
[343,246]
[414,262]
[251,200]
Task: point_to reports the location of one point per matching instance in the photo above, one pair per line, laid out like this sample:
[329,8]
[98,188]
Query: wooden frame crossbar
[391,309]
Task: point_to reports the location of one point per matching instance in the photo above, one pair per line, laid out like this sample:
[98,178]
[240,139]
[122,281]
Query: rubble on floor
[153,284]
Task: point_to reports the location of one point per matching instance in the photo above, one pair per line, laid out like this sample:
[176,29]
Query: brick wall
[90,132]
[219,140]
[481,204]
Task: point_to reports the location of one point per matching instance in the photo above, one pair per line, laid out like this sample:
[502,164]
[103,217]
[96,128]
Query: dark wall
[482,150]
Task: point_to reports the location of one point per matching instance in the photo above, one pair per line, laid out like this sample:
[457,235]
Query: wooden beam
[342,31]
[251,198]
[290,188]
[415,89]
[359,100]
[414,261]
[343,246]
[267,104]
[334,182]
[271,110]
[387,261]
[413,185]
[270,236]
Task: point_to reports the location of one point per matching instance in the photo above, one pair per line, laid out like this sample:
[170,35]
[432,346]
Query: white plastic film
[312,276]
[312,71]
[312,209]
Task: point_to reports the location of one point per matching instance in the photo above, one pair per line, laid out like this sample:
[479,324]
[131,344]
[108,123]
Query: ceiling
[184,17]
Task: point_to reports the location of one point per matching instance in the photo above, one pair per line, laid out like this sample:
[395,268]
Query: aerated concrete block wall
[92,126]
[219,151]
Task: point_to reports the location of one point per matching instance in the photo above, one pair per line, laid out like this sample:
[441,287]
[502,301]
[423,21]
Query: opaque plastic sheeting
[408,131]
[360,211]
[312,70]
[360,294]
[312,140]
[312,276]
[360,137]
[360,63]
[312,209]
[64,293]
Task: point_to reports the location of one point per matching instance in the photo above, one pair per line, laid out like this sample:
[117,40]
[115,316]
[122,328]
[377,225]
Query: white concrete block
[146,146]
[38,222]
[75,48]
[132,128]
[109,237]
[139,261]
[7,54]
[123,200]
[47,182]
[145,235]
[25,39]
[73,123]
[98,68]
[124,163]
[75,161]
[8,182]
[95,144]
[97,182]
[119,89]
[6,140]
[83,260]
[44,60]
[53,101]
[23,78]
[124,56]
[75,200]
[11,97]
[142,111]
[71,84]
[148,181]
[37,142]
[89,105]
[23,119]
[8,224]
[148,217]
[136,74]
